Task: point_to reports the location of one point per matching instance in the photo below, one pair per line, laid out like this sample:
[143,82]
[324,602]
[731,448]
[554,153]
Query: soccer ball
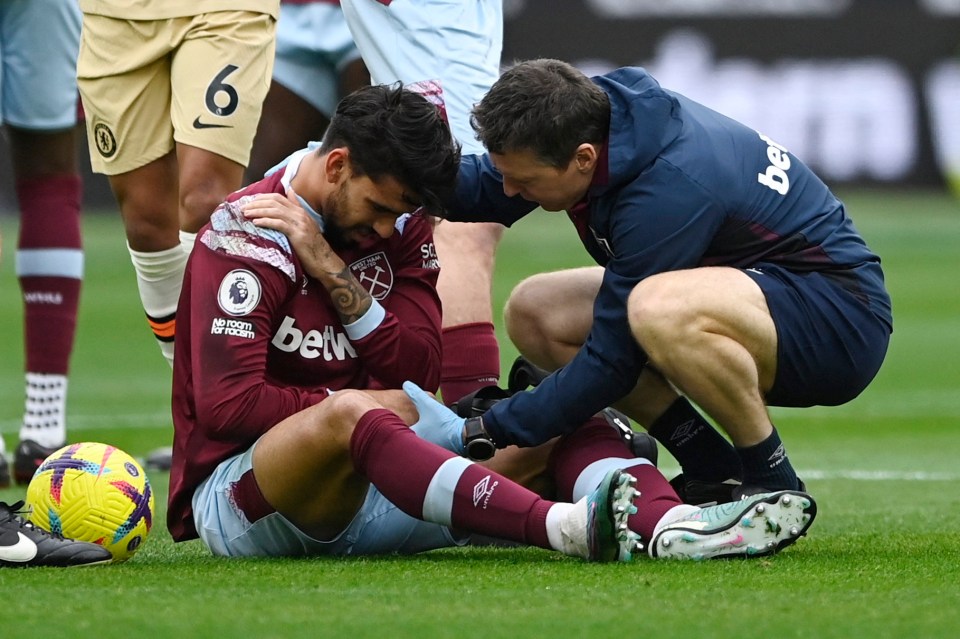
[93,492]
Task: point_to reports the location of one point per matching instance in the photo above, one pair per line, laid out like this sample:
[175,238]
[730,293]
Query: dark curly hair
[545,106]
[392,131]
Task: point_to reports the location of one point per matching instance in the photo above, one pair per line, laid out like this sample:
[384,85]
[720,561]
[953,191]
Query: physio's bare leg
[549,315]
[471,355]
[708,330]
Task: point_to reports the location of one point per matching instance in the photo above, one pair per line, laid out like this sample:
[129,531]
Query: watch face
[480,449]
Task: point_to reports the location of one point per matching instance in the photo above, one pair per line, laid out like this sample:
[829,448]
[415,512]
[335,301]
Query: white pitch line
[878,475]
[860,475]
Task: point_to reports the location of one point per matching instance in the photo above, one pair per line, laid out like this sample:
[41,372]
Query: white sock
[159,279]
[591,476]
[3,447]
[187,240]
[567,528]
[44,416]
[676,513]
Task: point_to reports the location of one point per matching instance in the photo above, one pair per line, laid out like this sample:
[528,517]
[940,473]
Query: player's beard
[338,236]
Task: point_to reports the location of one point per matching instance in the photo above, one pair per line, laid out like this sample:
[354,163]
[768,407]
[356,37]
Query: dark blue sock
[766,465]
[702,452]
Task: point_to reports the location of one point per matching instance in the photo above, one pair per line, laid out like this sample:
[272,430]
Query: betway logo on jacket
[326,343]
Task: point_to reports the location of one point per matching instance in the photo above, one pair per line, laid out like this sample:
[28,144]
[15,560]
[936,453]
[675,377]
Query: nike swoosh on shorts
[197,124]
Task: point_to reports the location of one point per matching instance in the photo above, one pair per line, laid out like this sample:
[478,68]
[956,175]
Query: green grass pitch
[882,560]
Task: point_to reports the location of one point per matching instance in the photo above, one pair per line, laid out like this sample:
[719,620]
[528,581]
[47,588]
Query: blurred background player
[316,64]
[457,46]
[38,107]
[173,92]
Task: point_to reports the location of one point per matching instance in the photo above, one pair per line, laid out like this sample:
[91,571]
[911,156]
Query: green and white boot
[755,526]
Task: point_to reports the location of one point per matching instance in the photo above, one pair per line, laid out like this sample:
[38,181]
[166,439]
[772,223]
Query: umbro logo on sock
[482,491]
[777,457]
[685,432]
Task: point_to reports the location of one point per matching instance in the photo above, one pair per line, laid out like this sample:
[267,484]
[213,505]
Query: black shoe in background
[4,472]
[697,492]
[24,545]
[27,459]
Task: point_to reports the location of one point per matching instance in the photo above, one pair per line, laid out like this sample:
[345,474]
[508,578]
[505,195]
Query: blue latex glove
[437,424]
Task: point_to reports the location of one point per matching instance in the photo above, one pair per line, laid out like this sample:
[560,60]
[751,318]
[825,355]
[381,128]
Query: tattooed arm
[349,298]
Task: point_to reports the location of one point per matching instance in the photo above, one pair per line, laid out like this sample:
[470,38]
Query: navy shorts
[830,345]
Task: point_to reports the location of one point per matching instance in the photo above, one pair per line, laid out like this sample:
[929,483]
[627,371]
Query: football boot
[24,545]
[27,459]
[755,526]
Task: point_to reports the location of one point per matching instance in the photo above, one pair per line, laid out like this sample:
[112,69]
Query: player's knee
[523,314]
[657,313]
[197,205]
[149,224]
[341,412]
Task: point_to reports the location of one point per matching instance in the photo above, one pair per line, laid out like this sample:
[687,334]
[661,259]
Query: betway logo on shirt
[326,343]
[775,176]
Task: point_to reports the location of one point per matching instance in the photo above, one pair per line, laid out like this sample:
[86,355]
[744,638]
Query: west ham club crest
[374,274]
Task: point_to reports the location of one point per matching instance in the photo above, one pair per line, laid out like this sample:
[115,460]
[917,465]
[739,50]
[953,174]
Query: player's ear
[336,164]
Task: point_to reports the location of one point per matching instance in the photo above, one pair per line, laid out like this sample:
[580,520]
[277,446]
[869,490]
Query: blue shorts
[378,528]
[39,41]
[457,44]
[829,343]
[313,47]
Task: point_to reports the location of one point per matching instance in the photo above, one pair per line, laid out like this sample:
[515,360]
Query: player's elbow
[220,418]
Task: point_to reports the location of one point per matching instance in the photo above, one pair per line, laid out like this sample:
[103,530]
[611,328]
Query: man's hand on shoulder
[284,214]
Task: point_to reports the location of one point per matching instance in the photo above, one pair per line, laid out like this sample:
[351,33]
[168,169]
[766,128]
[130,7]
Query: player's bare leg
[471,354]
[286,123]
[148,197]
[176,192]
[709,331]
[205,180]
